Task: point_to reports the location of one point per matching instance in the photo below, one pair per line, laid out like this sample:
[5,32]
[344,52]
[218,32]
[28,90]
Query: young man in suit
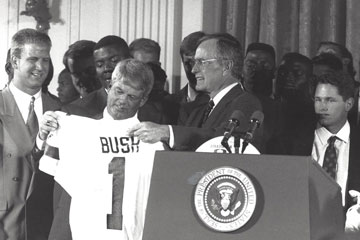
[334,98]
[218,65]
[26,193]
[188,97]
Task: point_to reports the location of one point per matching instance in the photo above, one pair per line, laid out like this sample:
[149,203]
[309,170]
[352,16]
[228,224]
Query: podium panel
[295,198]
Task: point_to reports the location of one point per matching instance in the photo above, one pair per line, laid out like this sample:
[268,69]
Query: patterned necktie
[330,158]
[32,121]
[207,112]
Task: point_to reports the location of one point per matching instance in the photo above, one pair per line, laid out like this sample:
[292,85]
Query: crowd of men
[310,107]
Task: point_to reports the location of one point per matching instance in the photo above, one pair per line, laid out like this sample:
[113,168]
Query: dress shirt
[216,100]
[107,116]
[342,149]
[23,99]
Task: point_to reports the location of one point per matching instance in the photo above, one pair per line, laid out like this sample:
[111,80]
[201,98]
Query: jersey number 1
[117,169]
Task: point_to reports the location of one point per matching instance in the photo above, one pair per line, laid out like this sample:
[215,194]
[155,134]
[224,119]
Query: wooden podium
[295,198]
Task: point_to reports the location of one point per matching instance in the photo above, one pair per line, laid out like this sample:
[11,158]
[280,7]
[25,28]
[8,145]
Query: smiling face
[331,108]
[209,75]
[125,98]
[31,68]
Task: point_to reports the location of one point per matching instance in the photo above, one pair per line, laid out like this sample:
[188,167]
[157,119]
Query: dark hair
[229,48]
[133,70]
[114,41]
[79,50]
[46,83]
[159,74]
[292,57]
[329,60]
[345,53]
[146,45]
[27,36]
[263,47]
[190,43]
[87,79]
[341,80]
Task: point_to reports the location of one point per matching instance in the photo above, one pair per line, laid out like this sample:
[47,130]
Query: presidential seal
[225,199]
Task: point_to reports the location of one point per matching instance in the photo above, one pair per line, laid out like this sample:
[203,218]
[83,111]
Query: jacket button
[16,179]
[8,155]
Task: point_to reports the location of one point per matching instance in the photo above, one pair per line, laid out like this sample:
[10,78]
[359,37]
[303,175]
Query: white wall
[165,21]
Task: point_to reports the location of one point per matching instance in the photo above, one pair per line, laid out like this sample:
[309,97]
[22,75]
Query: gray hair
[134,71]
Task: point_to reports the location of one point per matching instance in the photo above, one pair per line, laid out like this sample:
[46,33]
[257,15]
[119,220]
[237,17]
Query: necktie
[330,158]
[207,112]
[32,122]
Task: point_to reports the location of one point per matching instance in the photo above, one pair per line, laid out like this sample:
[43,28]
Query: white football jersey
[106,173]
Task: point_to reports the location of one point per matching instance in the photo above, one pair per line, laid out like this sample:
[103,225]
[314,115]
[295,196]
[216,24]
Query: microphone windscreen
[237,115]
[258,116]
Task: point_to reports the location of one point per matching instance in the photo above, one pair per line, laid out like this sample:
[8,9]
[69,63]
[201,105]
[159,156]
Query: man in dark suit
[218,64]
[334,98]
[258,75]
[293,81]
[188,97]
[26,193]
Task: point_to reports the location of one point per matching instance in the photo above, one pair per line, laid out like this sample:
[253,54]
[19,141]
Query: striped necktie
[32,121]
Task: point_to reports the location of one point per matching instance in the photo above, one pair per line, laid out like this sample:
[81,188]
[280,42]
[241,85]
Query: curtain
[294,25]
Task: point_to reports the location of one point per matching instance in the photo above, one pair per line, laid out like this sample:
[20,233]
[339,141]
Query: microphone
[255,121]
[234,122]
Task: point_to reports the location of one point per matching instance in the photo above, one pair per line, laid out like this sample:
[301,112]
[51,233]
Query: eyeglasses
[202,62]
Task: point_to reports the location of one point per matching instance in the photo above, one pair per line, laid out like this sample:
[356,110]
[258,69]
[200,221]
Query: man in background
[188,97]
[336,142]
[145,50]
[26,193]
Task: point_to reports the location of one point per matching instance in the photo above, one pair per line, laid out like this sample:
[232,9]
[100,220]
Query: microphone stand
[237,143]
[244,145]
[225,144]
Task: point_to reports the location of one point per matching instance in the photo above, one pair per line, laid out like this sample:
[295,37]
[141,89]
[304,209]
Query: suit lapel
[222,105]
[354,158]
[13,121]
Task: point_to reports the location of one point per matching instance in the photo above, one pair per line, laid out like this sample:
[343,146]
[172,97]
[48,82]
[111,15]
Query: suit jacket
[353,182]
[191,136]
[25,192]
[182,108]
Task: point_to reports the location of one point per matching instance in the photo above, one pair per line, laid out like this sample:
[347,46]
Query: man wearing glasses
[218,65]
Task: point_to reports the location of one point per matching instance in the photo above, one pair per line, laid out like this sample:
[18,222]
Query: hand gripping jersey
[106,173]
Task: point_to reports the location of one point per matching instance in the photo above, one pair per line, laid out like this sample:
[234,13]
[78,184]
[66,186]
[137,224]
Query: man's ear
[349,103]
[143,101]
[14,61]
[228,65]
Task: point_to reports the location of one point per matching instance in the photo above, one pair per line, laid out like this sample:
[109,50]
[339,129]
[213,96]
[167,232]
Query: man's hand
[352,223]
[48,123]
[150,132]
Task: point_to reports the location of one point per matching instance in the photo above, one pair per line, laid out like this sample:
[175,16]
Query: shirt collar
[343,134]
[223,92]
[22,95]
[107,116]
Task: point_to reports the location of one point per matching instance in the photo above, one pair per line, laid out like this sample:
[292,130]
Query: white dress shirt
[23,100]
[342,146]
